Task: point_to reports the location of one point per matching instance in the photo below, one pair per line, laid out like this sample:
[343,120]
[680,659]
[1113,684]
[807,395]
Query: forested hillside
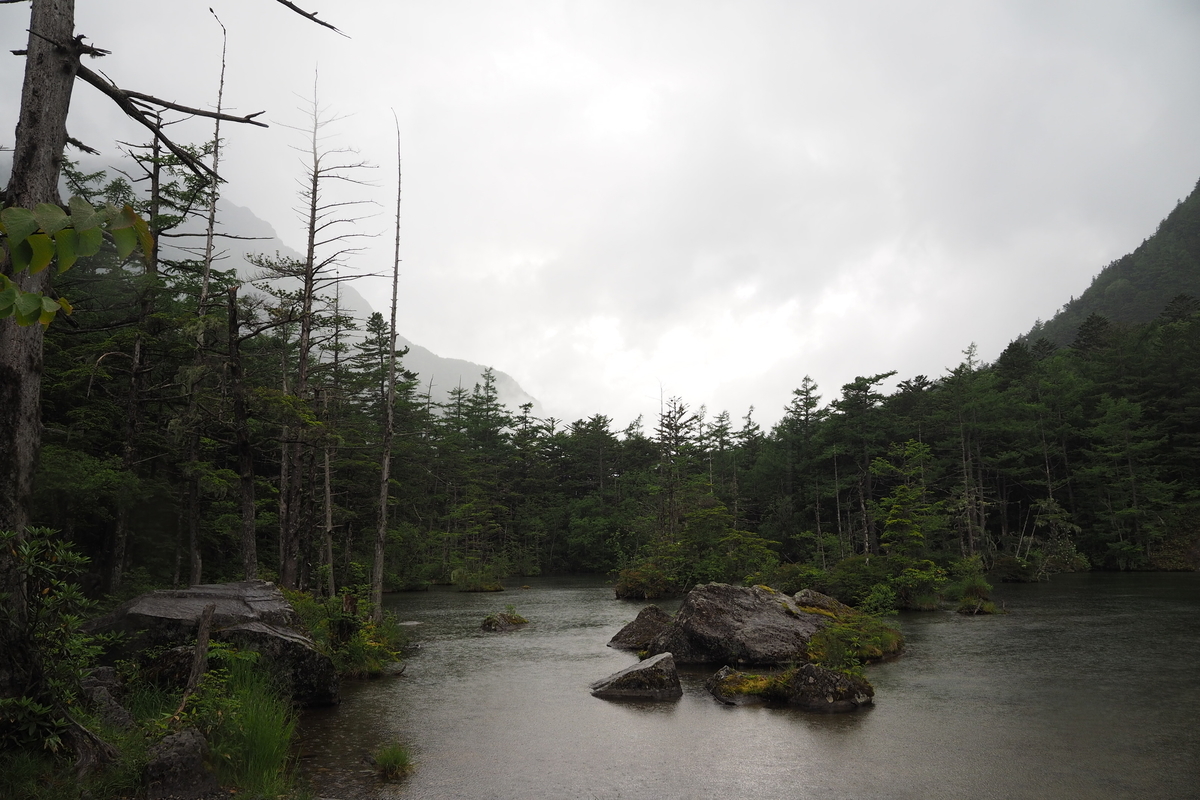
[1137,287]
[168,463]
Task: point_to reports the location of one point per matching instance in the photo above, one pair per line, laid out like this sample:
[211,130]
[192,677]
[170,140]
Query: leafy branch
[32,240]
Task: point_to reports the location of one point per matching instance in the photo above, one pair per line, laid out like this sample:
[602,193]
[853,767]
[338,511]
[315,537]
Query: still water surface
[1088,688]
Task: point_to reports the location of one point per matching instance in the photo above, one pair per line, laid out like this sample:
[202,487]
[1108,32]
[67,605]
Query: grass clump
[249,723]
[393,761]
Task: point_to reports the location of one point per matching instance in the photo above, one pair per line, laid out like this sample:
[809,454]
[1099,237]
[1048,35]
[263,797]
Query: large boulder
[807,686]
[724,624]
[653,679]
[175,768]
[637,635]
[251,615]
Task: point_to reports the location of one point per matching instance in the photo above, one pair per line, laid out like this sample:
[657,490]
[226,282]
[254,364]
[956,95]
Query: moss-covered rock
[808,686]
[503,621]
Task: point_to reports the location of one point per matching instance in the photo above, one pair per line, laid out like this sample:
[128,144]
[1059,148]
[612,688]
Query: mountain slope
[442,374]
[1135,288]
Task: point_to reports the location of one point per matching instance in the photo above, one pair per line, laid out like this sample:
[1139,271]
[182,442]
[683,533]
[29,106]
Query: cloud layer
[614,201]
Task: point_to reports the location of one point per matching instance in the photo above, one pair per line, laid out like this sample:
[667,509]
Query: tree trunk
[37,158]
[241,431]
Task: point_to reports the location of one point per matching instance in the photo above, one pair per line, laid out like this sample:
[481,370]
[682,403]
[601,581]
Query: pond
[1089,687]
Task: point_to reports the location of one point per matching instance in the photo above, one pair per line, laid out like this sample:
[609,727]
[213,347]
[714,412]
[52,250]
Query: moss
[771,687]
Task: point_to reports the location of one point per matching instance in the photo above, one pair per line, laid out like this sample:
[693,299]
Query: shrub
[645,581]
[341,627]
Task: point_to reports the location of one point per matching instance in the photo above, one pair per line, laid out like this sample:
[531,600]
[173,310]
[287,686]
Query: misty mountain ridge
[1137,287]
[437,375]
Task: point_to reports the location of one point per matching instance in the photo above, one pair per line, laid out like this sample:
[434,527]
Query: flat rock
[251,615]
[637,635]
[723,624]
[653,679]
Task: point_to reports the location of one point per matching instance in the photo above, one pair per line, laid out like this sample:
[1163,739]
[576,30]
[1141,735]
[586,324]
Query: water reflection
[1087,689]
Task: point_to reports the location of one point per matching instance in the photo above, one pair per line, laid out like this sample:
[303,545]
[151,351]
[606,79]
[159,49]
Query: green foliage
[646,581]
[850,642]
[393,761]
[46,567]
[249,723]
[342,628]
[30,240]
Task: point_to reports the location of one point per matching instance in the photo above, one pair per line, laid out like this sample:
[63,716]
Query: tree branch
[310,15]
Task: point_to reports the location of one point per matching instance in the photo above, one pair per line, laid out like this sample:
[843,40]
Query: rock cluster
[722,624]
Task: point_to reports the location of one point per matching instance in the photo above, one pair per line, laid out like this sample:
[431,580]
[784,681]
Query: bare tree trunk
[241,430]
[389,429]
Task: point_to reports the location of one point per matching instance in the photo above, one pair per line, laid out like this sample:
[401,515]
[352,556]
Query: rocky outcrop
[251,615]
[311,674]
[653,679]
[102,690]
[724,624]
[637,635]
[175,768]
[807,686]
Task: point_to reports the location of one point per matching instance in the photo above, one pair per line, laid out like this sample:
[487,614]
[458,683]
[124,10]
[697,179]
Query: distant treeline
[171,427]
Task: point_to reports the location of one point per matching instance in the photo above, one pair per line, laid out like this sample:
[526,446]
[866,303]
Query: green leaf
[22,255]
[145,238]
[126,240]
[49,309]
[18,224]
[65,242]
[8,298]
[43,252]
[50,218]
[90,240]
[83,214]
[65,306]
[29,308]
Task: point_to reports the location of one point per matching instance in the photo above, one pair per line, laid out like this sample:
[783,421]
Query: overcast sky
[613,201]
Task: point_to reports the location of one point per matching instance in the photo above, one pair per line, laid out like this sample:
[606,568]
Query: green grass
[252,733]
[393,761]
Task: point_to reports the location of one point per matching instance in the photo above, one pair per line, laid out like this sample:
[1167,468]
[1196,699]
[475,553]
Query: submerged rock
[653,679]
[807,686]
[724,624]
[637,635]
[503,622]
[251,615]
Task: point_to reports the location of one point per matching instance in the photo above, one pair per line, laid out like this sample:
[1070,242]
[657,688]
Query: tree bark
[241,430]
[41,136]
